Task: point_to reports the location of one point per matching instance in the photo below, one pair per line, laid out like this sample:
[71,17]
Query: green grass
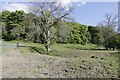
[63,50]
[82,61]
[0,47]
[82,58]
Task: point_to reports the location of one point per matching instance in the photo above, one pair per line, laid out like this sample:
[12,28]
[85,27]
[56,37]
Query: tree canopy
[16,23]
[46,28]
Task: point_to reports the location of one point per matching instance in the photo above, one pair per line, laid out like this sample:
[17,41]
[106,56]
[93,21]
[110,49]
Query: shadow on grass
[39,50]
[93,49]
[86,48]
[35,49]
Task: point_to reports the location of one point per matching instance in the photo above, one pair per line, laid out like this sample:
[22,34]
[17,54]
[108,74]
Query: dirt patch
[18,65]
[33,65]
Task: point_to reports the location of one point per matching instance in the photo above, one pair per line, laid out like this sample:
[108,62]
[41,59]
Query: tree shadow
[39,50]
[86,48]
[93,49]
[35,49]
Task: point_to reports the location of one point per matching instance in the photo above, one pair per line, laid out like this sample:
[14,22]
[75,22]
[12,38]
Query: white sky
[21,6]
[18,6]
[15,6]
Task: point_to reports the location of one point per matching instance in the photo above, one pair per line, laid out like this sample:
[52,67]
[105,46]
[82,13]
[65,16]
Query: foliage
[5,14]
[118,41]
[78,34]
[15,24]
[108,35]
[63,32]
[114,42]
[19,25]
[108,28]
[96,35]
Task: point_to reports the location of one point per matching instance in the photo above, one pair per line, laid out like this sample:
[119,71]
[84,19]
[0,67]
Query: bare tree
[48,15]
[108,27]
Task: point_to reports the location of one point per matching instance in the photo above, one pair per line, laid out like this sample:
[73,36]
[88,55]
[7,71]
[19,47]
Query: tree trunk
[106,48]
[48,42]
[113,48]
[106,45]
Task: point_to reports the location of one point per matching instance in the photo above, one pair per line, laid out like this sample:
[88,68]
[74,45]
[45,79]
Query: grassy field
[81,60]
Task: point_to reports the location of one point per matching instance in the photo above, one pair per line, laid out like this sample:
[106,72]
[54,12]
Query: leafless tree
[48,15]
[108,27]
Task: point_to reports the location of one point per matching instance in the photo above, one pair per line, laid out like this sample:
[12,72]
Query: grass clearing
[80,60]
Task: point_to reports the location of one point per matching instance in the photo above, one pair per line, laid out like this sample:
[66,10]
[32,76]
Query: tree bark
[48,42]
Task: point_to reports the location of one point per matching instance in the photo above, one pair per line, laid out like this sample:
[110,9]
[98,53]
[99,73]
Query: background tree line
[19,25]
